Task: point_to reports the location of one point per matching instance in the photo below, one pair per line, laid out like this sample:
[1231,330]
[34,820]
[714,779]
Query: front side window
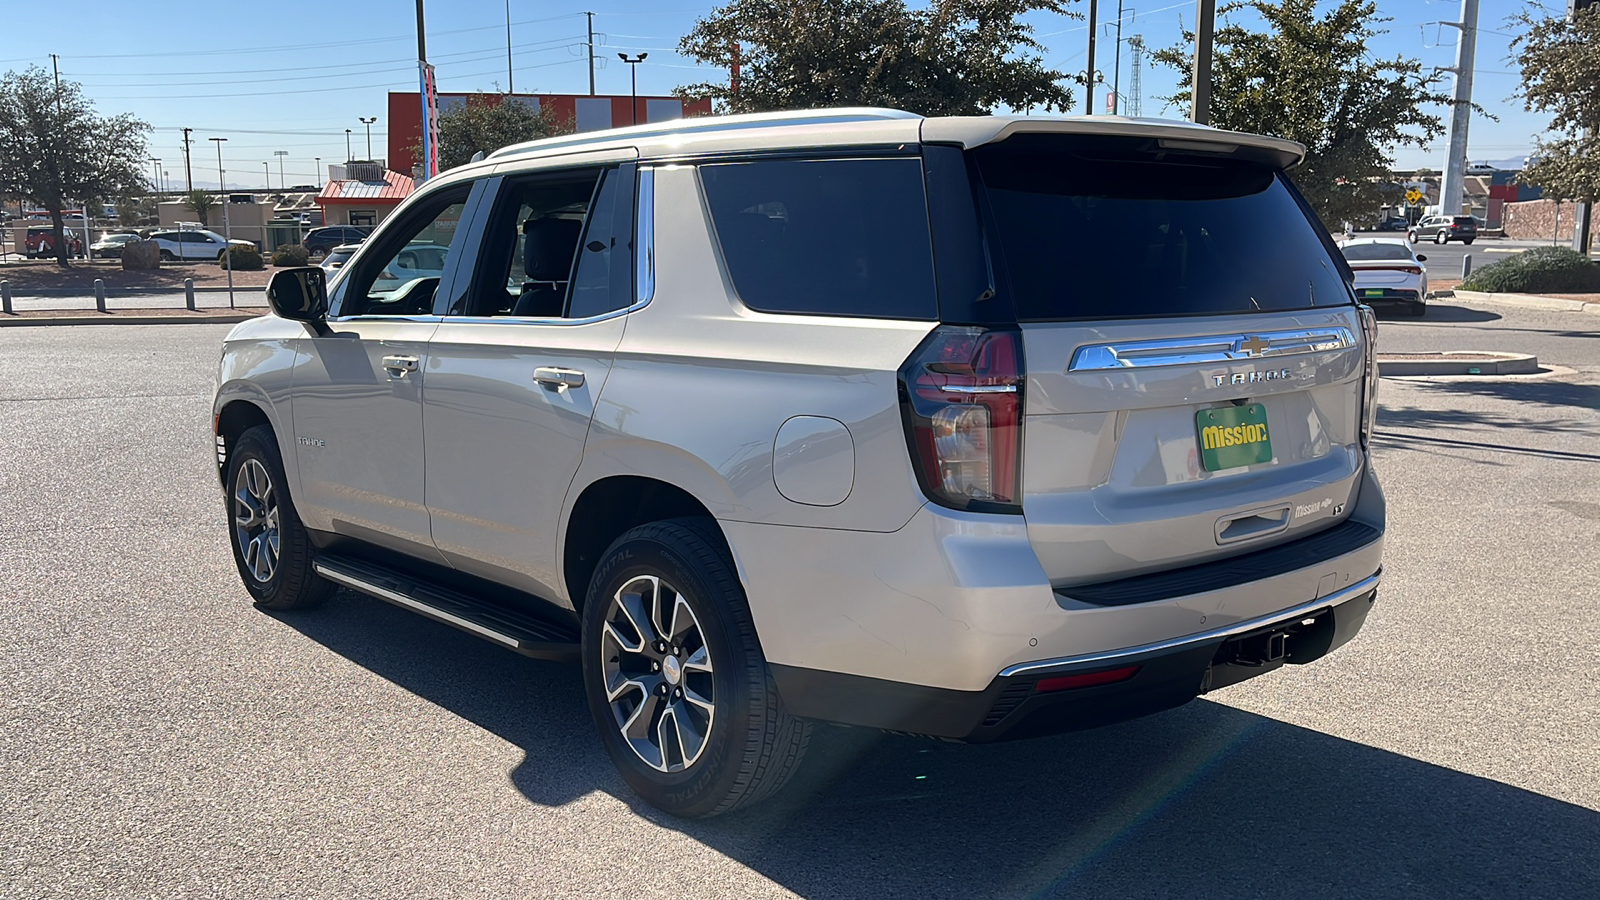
[838,237]
[402,275]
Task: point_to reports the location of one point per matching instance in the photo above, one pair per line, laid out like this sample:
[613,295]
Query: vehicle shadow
[1205,800]
[1538,393]
[1439,314]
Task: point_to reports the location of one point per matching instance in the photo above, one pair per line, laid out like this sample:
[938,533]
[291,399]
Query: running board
[511,628]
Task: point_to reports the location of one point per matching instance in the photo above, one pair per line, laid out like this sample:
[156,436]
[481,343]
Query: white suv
[193,243]
[975,428]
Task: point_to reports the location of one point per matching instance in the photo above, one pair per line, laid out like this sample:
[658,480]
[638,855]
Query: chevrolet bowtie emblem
[1254,346]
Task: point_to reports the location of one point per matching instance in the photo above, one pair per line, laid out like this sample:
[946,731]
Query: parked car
[41,242]
[110,245]
[1393,223]
[189,244]
[1012,426]
[1388,273]
[322,240]
[1444,229]
[338,256]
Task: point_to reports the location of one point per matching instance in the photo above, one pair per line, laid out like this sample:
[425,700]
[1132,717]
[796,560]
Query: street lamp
[349,155]
[227,225]
[633,66]
[283,185]
[368,122]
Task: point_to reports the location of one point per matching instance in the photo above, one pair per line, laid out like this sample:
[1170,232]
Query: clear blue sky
[293,77]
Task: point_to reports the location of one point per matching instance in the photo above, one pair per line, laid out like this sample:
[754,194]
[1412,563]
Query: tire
[1411,236]
[166,256]
[1468,241]
[1441,237]
[1417,310]
[749,746]
[279,576]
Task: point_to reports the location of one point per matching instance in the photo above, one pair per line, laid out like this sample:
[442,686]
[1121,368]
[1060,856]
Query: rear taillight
[1369,382]
[961,395]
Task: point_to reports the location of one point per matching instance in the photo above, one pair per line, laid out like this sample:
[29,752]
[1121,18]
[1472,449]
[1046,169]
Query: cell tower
[1135,90]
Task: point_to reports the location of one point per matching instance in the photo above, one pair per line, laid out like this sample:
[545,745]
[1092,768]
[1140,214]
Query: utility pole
[1116,74]
[1582,226]
[511,85]
[56,68]
[1455,165]
[188,176]
[1205,24]
[283,184]
[1088,81]
[591,52]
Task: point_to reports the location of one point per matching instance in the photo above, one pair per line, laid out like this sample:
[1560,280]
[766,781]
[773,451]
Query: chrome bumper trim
[1338,598]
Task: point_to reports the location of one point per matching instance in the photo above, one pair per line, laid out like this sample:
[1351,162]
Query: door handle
[558,378]
[399,366]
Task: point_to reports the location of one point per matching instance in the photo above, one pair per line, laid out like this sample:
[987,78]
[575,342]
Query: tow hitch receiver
[1248,656]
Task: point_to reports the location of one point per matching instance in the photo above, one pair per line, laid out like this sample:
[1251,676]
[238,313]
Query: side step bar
[517,630]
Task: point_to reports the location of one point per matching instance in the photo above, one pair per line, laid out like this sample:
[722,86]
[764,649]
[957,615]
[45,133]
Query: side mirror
[300,293]
[1421,258]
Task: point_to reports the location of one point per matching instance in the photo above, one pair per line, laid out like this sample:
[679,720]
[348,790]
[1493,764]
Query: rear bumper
[1016,704]
[1389,297]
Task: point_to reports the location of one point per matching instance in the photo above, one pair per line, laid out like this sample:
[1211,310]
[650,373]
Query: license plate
[1233,436]
[1372,293]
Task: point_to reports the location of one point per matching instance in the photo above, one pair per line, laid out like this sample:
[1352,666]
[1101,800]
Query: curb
[114,319]
[1463,363]
[1529,301]
[130,291]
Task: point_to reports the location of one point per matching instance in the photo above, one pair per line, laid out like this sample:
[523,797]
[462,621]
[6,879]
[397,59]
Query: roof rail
[710,124]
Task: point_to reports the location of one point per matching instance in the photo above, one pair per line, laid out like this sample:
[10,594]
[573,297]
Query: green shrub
[1542,269]
[291,255]
[241,259]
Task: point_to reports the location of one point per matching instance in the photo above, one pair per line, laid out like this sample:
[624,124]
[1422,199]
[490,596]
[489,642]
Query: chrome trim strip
[398,599]
[645,238]
[1305,609]
[979,389]
[1222,348]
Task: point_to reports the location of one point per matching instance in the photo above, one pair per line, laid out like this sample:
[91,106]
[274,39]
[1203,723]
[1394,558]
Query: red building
[584,112]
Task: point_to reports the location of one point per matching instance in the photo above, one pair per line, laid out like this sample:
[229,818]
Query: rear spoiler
[975,131]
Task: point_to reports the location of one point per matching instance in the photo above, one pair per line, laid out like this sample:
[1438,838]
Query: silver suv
[975,428]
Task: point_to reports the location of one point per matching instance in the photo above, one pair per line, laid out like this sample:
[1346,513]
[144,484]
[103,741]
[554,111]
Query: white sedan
[1389,273]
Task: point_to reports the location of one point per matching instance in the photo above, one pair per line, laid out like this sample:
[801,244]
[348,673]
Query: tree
[199,202]
[53,147]
[1560,62]
[1311,79]
[955,57]
[487,122]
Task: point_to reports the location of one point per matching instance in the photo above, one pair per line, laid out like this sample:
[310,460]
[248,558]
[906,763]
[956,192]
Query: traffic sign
[1413,196]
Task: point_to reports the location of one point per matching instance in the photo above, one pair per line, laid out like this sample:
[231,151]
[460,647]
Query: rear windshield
[1465,220]
[1361,252]
[1096,227]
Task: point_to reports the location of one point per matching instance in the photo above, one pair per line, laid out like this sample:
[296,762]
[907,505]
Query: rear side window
[1104,228]
[838,237]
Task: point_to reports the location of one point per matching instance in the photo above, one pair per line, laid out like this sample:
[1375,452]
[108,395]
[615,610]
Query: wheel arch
[240,406]
[609,506]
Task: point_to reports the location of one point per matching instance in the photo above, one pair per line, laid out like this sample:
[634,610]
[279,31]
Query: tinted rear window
[1095,227]
[845,237]
[1465,220]
[1362,252]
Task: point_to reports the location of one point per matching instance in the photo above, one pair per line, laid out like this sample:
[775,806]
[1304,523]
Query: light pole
[157,167]
[283,185]
[349,155]
[368,122]
[318,161]
[633,66]
[227,225]
[267,168]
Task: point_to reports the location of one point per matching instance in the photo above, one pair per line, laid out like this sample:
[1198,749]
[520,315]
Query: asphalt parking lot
[161,738]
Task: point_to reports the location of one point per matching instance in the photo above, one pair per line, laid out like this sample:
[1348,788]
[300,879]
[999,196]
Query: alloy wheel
[255,519]
[658,677]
